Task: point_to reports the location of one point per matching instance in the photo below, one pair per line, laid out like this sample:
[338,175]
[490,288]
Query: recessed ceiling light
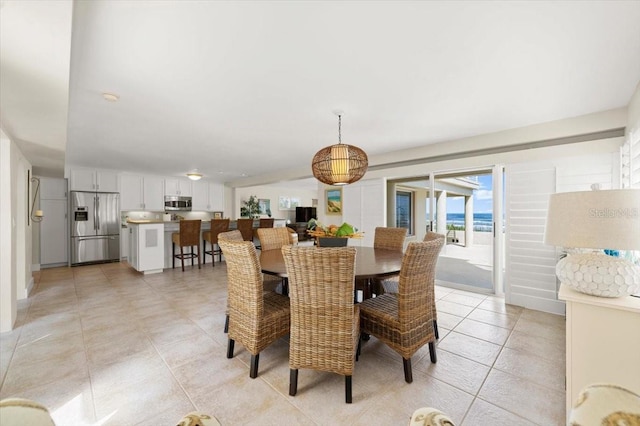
[111,97]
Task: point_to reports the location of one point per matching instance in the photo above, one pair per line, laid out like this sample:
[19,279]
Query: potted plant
[251,207]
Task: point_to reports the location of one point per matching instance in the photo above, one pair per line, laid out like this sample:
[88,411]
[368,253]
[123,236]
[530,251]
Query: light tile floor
[105,345]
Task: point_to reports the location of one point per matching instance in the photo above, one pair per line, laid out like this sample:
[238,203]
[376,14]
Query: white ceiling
[249,87]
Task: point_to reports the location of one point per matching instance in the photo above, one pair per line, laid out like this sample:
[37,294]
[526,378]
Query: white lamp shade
[607,219]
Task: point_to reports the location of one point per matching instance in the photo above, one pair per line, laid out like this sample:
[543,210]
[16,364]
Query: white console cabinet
[603,341]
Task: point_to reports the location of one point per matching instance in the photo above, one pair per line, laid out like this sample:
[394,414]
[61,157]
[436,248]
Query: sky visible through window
[482,198]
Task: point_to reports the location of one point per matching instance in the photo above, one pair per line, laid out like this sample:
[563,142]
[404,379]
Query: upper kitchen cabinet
[141,193]
[176,186]
[93,180]
[208,196]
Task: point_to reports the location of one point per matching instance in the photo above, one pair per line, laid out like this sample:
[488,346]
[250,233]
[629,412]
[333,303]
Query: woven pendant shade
[339,164]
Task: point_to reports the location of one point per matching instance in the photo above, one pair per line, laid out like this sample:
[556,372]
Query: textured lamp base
[599,275]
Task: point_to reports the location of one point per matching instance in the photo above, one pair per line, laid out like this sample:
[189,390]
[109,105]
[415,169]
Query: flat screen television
[305,214]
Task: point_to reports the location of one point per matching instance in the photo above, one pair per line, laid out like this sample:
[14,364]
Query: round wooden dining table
[370,262]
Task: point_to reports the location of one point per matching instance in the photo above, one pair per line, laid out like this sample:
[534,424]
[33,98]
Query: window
[404,210]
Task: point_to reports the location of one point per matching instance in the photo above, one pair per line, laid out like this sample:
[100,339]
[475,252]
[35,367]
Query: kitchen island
[153,259]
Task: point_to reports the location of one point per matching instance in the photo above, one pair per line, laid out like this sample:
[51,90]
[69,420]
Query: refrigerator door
[83,212]
[95,249]
[108,214]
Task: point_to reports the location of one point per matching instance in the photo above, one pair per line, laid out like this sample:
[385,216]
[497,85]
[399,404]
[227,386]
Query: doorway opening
[463,206]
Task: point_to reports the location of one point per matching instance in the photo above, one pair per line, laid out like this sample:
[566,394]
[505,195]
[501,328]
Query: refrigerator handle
[98,213]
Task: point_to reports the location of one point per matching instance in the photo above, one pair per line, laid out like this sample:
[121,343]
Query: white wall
[273,193]
[633,138]
[15,234]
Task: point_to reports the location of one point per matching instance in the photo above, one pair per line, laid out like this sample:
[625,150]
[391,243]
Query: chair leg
[173,255]
[213,256]
[293,381]
[226,324]
[432,352]
[230,345]
[435,329]
[408,375]
[347,389]
[359,347]
[182,257]
[191,251]
[253,372]
[204,252]
[198,248]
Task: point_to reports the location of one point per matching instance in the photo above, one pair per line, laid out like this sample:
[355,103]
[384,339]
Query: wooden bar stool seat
[217,226]
[188,236]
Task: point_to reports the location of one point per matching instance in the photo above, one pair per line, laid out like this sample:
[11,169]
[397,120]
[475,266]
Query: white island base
[146,247]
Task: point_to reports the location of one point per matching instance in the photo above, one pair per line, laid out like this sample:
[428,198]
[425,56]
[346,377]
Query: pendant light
[339,164]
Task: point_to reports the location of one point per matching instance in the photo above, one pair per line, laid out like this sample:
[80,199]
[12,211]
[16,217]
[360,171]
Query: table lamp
[599,219]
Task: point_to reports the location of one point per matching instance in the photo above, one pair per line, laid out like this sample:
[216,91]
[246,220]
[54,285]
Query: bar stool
[188,236]
[217,226]
[245,226]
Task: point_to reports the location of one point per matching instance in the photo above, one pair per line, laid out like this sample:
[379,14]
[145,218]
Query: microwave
[177,203]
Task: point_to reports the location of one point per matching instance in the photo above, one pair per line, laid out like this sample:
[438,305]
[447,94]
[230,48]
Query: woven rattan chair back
[415,289]
[190,232]
[188,236]
[218,226]
[211,236]
[273,238]
[405,321]
[245,226]
[324,321]
[389,238]
[256,318]
[430,236]
[266,222]
[234,235]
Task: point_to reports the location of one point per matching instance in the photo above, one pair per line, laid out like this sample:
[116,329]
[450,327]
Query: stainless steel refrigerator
[95,227]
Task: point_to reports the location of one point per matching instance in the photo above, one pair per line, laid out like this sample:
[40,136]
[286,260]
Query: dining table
[370,263]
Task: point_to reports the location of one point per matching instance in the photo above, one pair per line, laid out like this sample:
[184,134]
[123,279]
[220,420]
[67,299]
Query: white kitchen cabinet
[208,196]
[54,237]
[81,179]
[124,243]
[131,197]
[603,341]
[141,193]
[176,186]
[153,191]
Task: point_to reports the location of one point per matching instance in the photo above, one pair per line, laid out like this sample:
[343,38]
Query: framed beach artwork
[333,201]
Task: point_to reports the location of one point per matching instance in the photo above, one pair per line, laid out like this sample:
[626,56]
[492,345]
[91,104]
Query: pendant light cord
[339,128]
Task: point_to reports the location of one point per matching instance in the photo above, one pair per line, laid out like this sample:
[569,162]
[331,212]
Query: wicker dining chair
[189,236]
[211,236]
[388,239]
[245,226]
[273,238]
[390,285]
[256,318]
[234,235]
[324,321]
[404,321]
[263,223]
